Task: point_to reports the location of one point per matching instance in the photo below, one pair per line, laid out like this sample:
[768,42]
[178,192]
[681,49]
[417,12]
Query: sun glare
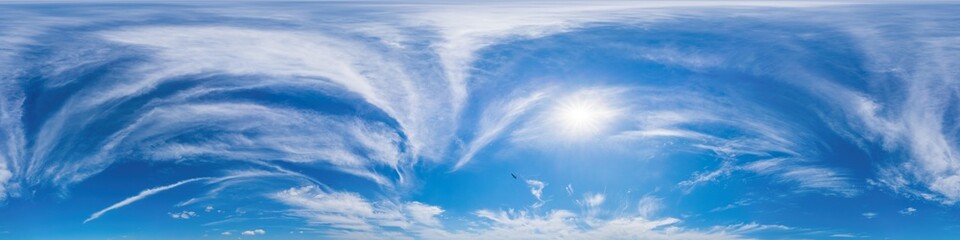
[583,117]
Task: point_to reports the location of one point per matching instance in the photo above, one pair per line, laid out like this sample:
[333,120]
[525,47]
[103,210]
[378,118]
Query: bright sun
[583,117]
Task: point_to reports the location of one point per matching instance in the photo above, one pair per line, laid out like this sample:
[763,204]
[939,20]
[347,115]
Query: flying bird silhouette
[514,176]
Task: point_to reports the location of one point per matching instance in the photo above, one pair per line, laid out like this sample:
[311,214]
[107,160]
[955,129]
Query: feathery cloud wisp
[143,194]
[536,188]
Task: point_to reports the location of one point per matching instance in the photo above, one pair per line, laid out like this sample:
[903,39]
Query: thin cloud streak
[143,194]
[495,119]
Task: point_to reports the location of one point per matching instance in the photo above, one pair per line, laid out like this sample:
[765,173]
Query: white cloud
[590,204]
[251,232]
[869,215]
[703,177]
[560,224]
[908,211]
[143,194]
[594,200]
[183,214]
[844,235]
[5,176]
[569,189]
[351,216]
[338,210]
[208,209]
[536,188]
[350,211]
[423,213]
[648,206]
[227,233]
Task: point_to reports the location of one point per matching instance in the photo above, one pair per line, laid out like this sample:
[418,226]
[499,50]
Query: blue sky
[537,120]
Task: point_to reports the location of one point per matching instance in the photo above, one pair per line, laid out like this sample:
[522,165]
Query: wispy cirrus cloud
[267,133]
[743,228]
[421,111]
[806,177]
[466,28]
[738,203]
[424,102]
[143,194]
[313,58]
[176,59]
[916,120]
[496,119]
[758,134]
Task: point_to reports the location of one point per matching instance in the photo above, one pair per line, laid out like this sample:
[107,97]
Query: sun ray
[582,116]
